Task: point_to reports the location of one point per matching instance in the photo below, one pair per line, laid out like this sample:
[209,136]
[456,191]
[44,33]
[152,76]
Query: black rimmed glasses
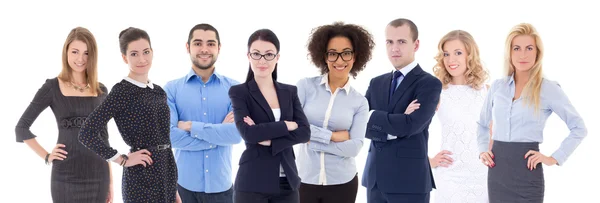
[258,56]
[333,56]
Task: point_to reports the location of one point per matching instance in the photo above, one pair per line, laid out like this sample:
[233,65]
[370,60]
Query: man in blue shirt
[202,126]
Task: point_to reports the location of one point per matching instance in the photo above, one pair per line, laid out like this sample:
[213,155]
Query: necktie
[397,74]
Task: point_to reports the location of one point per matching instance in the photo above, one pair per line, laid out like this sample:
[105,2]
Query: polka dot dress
[142,117]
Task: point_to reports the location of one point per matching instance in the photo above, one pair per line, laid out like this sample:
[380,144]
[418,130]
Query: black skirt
[510,180]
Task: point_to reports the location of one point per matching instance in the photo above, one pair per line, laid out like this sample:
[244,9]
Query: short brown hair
[403,21]
[362,44]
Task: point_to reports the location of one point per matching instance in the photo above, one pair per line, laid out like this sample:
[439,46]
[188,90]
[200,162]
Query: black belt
[72,122]
[157,148]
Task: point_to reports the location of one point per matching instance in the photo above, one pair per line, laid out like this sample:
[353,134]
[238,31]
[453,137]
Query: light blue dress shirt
[322,161]
[517,122]
[203,156]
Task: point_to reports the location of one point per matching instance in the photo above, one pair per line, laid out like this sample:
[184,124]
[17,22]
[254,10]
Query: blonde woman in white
[458,173]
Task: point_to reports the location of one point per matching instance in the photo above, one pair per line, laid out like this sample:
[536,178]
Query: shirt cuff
[196,128]
[320,134]
[369,117]
[391,137]
[483,148]
[114,157]
[560,157]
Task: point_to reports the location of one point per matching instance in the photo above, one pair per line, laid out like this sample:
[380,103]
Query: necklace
[81,89]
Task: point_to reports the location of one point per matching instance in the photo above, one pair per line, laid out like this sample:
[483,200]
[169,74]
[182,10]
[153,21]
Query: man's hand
[185,125]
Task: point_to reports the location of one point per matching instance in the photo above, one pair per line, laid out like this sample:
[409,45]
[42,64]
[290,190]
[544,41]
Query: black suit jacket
[259,165]
[401,165]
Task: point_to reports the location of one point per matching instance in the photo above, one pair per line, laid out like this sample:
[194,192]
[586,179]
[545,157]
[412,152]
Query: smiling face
[139,57]
[523,53]
[77,56]
[455,58]
[263,57]
[203,49]
[339,57]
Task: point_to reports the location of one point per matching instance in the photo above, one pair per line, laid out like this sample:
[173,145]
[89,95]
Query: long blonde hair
[534,84]
[91,69]
[475,74]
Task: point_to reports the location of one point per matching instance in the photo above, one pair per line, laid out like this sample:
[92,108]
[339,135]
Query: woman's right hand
[487,158]
[57,153]
[291,125]
[139,157]
[442,159]
[265,143]
[340,136]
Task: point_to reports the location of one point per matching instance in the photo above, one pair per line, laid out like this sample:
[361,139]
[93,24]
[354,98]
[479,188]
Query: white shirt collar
[406,69]
[139,84]
[325,80]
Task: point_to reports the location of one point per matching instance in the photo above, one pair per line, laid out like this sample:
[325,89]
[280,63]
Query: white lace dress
[465,180]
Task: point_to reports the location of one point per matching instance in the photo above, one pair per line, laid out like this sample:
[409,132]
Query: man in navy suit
[397,168]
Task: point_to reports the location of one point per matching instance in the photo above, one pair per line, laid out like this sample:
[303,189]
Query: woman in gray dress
[78,174]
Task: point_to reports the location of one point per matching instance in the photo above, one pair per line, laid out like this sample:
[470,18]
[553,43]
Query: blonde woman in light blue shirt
[519,106]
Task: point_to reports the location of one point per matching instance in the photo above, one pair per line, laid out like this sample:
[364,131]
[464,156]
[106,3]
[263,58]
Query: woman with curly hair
[337,113]
[459,175]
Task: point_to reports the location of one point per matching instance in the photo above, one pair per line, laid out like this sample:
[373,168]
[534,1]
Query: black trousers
[287,195]
[343,193]
[188,196]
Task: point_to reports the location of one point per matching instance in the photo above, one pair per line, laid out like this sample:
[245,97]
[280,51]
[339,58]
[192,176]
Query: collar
[511,79]
[406,69]
[325,80]
[192,73]
[139,84]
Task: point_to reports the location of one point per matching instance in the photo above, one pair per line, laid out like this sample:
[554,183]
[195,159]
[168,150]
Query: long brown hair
[91,69]
[475,75]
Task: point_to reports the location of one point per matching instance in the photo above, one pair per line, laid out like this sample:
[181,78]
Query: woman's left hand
[534,158]
[249,121]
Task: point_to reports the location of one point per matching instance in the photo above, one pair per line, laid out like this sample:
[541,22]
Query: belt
[157,148]
[72,122]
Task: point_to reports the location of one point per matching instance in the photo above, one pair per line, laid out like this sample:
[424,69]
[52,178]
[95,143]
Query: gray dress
[83,176]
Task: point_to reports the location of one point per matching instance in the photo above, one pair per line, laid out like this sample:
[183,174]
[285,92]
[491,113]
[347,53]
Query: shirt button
[210,146]
[204,98]
[206,156]
[207,170]
[203,85]
[205,113]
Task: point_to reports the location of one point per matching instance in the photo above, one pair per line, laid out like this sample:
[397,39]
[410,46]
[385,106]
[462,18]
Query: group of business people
[301,140]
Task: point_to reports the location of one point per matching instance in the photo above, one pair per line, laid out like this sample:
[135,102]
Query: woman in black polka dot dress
[141,113]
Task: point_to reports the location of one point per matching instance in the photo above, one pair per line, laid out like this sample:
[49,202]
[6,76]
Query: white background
[33,34]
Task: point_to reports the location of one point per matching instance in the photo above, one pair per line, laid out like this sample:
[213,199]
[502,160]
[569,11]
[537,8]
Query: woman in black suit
[270,119]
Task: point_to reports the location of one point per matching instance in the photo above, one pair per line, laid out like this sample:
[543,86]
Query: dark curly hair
[362,44]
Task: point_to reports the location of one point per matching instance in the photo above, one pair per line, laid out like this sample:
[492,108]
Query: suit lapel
[283,96]
[408,80]
[260,99]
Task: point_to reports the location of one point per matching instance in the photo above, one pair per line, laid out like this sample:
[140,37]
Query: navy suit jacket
[400,165]
[260,165]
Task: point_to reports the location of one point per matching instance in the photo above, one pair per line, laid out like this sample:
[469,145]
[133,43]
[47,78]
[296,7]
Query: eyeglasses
[258,56]
[333,56]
